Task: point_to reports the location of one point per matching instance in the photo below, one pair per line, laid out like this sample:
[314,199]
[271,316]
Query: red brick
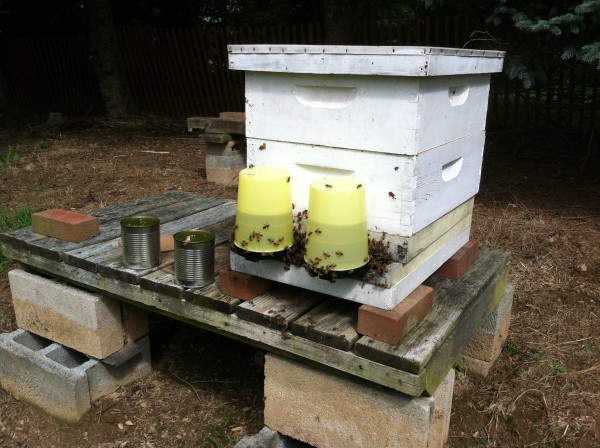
[458,263]
[167,244]
[65,225]
[392,325]
[240,285]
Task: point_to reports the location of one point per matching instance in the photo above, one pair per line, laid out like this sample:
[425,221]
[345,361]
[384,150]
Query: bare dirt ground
[539,199]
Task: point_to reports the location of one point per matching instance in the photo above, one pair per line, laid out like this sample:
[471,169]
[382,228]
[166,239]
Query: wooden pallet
[297,323]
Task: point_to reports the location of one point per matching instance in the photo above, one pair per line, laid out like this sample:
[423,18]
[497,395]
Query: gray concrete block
[60,380]
[87,322]
[330,411]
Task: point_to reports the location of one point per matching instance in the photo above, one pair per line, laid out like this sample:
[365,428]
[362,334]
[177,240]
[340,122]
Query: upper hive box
[395,100]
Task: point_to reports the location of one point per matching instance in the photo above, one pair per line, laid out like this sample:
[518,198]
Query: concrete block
[329,411]
[240,285]
[87,322]
[62,381]
[486,345]
[65,225]
[392,325]
[458,264]
[224,169]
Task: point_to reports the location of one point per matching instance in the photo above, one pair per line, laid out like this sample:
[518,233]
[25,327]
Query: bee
[392,195]
[318,260]
[263,146]
[318,231]
[326,254]
[331,266]
[271,240]
[244,243]
[359,186]
[251,166]
[266,226]
[366,259]
[235,227]
[395,168]
[309,233]
[288,178]
[293,205]
[280,240]
[339,253]
[328,186]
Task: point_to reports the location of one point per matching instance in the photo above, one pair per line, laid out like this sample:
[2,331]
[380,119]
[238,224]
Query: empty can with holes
[140,236]
[194,258]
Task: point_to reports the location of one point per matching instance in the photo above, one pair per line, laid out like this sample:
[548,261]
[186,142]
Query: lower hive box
[417,258]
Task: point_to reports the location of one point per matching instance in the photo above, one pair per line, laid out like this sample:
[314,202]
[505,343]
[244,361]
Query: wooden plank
[322,356]
[197,123]
[238,116]
[219,220]
[332,322]
[90,255]
[108,218]
[451,310]
[279,307]
[219,125]
[163,281]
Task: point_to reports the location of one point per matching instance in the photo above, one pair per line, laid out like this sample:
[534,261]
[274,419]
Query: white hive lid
[357,60]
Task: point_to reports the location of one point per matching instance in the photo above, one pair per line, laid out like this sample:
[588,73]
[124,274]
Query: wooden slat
[223,126]
[343,362]
[279,307]
[459,305]
[108,219]
[332,322]
[108,260]
[163,280]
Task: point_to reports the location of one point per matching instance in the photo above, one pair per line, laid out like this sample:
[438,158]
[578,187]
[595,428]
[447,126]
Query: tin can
[140,236]
[194,258]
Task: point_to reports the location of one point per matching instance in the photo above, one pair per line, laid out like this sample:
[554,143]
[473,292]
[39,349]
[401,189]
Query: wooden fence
[184,72]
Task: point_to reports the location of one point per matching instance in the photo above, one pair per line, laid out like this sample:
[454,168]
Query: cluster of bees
[378,260]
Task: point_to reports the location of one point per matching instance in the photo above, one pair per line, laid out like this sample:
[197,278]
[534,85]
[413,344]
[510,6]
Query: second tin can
[194,258]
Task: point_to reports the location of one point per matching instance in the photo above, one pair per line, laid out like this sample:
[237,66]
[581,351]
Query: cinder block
[65,225]
[486,345]
[392,325]
[62,381]
[329,411]
[240,285]
[458,264]
[224,169]
[87,322]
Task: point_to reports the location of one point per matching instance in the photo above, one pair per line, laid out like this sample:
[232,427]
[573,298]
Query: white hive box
[408,121]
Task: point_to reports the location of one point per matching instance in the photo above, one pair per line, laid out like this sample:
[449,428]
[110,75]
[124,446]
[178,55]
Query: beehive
[409,121]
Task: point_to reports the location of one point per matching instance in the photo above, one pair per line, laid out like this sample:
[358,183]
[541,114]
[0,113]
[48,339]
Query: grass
[8,157]
[12,219]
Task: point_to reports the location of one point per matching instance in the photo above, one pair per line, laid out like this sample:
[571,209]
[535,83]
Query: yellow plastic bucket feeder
[264,221]
[336,229]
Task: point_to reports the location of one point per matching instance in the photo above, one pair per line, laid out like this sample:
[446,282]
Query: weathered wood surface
[449,318]
[219,125]
[340,361]
[323,329]
[90,257]
[167,206]
[111,263]
[278,307]
[333,322]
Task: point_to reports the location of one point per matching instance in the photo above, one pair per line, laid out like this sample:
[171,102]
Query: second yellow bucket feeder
[264,221]
[336,231]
